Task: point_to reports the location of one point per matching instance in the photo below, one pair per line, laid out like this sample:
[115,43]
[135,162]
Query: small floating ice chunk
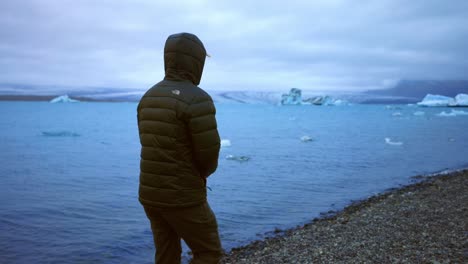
[340,102]
[452,113]
[306,139]
[392,107]
[393,143]
[397,114]
[238,158]
[63,99]
[419,113]
[443,113]
[225,143]
[59,134]
[459,112]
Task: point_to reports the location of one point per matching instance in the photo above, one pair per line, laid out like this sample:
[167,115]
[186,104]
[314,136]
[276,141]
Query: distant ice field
[69,172]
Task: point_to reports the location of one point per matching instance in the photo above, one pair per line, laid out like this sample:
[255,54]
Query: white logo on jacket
[176,92]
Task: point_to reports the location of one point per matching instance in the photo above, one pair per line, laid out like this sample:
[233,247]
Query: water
[69,172]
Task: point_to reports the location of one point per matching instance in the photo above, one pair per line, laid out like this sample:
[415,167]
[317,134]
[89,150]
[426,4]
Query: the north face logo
[176,92]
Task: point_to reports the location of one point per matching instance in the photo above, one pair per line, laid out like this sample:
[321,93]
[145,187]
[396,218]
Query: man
[179,150]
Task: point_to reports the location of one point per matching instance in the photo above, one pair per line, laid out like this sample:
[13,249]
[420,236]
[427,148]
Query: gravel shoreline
[426,222]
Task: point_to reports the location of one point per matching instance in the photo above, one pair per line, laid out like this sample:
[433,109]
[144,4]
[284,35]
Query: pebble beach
[425,222]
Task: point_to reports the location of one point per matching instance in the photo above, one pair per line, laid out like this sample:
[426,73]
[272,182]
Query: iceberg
[436,100]
[393,143]
[461,99]
[452,113]
[324,100]
[63,99]
[225,143]
[319,100]
[294,97]
[440,100]
[397,114]
[419,113]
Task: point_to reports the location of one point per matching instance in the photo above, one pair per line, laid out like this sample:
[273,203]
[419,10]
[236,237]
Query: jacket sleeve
[204,135]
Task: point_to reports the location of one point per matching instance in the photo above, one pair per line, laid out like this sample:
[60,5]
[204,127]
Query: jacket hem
[165,205]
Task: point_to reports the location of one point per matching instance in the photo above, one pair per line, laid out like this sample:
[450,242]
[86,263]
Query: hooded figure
[179,150]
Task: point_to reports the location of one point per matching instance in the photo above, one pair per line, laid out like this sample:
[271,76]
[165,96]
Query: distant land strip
[46,98]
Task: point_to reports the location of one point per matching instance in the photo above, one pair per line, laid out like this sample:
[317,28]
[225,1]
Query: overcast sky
[261,45]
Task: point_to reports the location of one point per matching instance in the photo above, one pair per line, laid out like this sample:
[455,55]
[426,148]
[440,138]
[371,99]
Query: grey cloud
[254,44]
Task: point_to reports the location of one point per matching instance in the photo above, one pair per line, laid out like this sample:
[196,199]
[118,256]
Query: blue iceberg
[294,97]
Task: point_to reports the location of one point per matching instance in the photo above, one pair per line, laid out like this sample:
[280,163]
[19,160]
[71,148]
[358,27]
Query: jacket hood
[184,58]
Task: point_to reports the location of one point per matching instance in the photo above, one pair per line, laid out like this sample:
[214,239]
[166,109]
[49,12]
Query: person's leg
[166,240]
[198,228]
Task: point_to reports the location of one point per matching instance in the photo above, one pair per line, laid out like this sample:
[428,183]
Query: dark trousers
[196,225]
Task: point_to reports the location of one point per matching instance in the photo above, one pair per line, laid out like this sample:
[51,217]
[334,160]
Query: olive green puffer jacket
[178,132]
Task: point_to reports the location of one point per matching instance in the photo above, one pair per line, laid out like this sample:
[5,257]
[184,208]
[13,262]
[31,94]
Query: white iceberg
[440,100]
[306,139]
[419,113]
[397,114]
[393,143]
[63,99]
[436,100]
[452,113]
[225,143]
[461,100]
